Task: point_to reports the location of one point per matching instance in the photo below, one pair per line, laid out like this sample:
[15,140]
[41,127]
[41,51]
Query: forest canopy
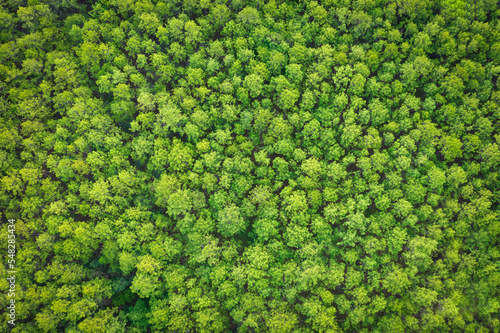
[251,165]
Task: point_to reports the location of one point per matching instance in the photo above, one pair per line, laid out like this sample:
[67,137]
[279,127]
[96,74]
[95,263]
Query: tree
[180,156]
[312,168]
[452,148]
[436,179]
[249,16]
[288,98]
[491,155]
[179,203]
[145,281]
[254,83]
[266,229]
[149,22]
[164,188]
[294,73]
[397,240]
[419,252]
[281,322]
[230,221]
[396,281]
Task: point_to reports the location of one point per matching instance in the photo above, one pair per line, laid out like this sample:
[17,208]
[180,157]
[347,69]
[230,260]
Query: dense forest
[250,165]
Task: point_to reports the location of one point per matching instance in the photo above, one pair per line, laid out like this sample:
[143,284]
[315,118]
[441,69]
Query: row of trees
[252,166]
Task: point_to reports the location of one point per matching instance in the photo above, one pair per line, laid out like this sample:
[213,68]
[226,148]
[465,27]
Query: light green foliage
[288,98]
[397,240]
[396,281]
[452,148]
[145,281]
[230,221]
[253,83]
[164,188]
[179,203]
[249,15]
[149,22]
[251,166]
[169,118]
[180,157]
[312,168]
[436,179]
[420,250]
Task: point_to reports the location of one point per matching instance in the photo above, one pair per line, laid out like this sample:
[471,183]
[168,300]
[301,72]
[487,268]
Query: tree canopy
[251,166]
